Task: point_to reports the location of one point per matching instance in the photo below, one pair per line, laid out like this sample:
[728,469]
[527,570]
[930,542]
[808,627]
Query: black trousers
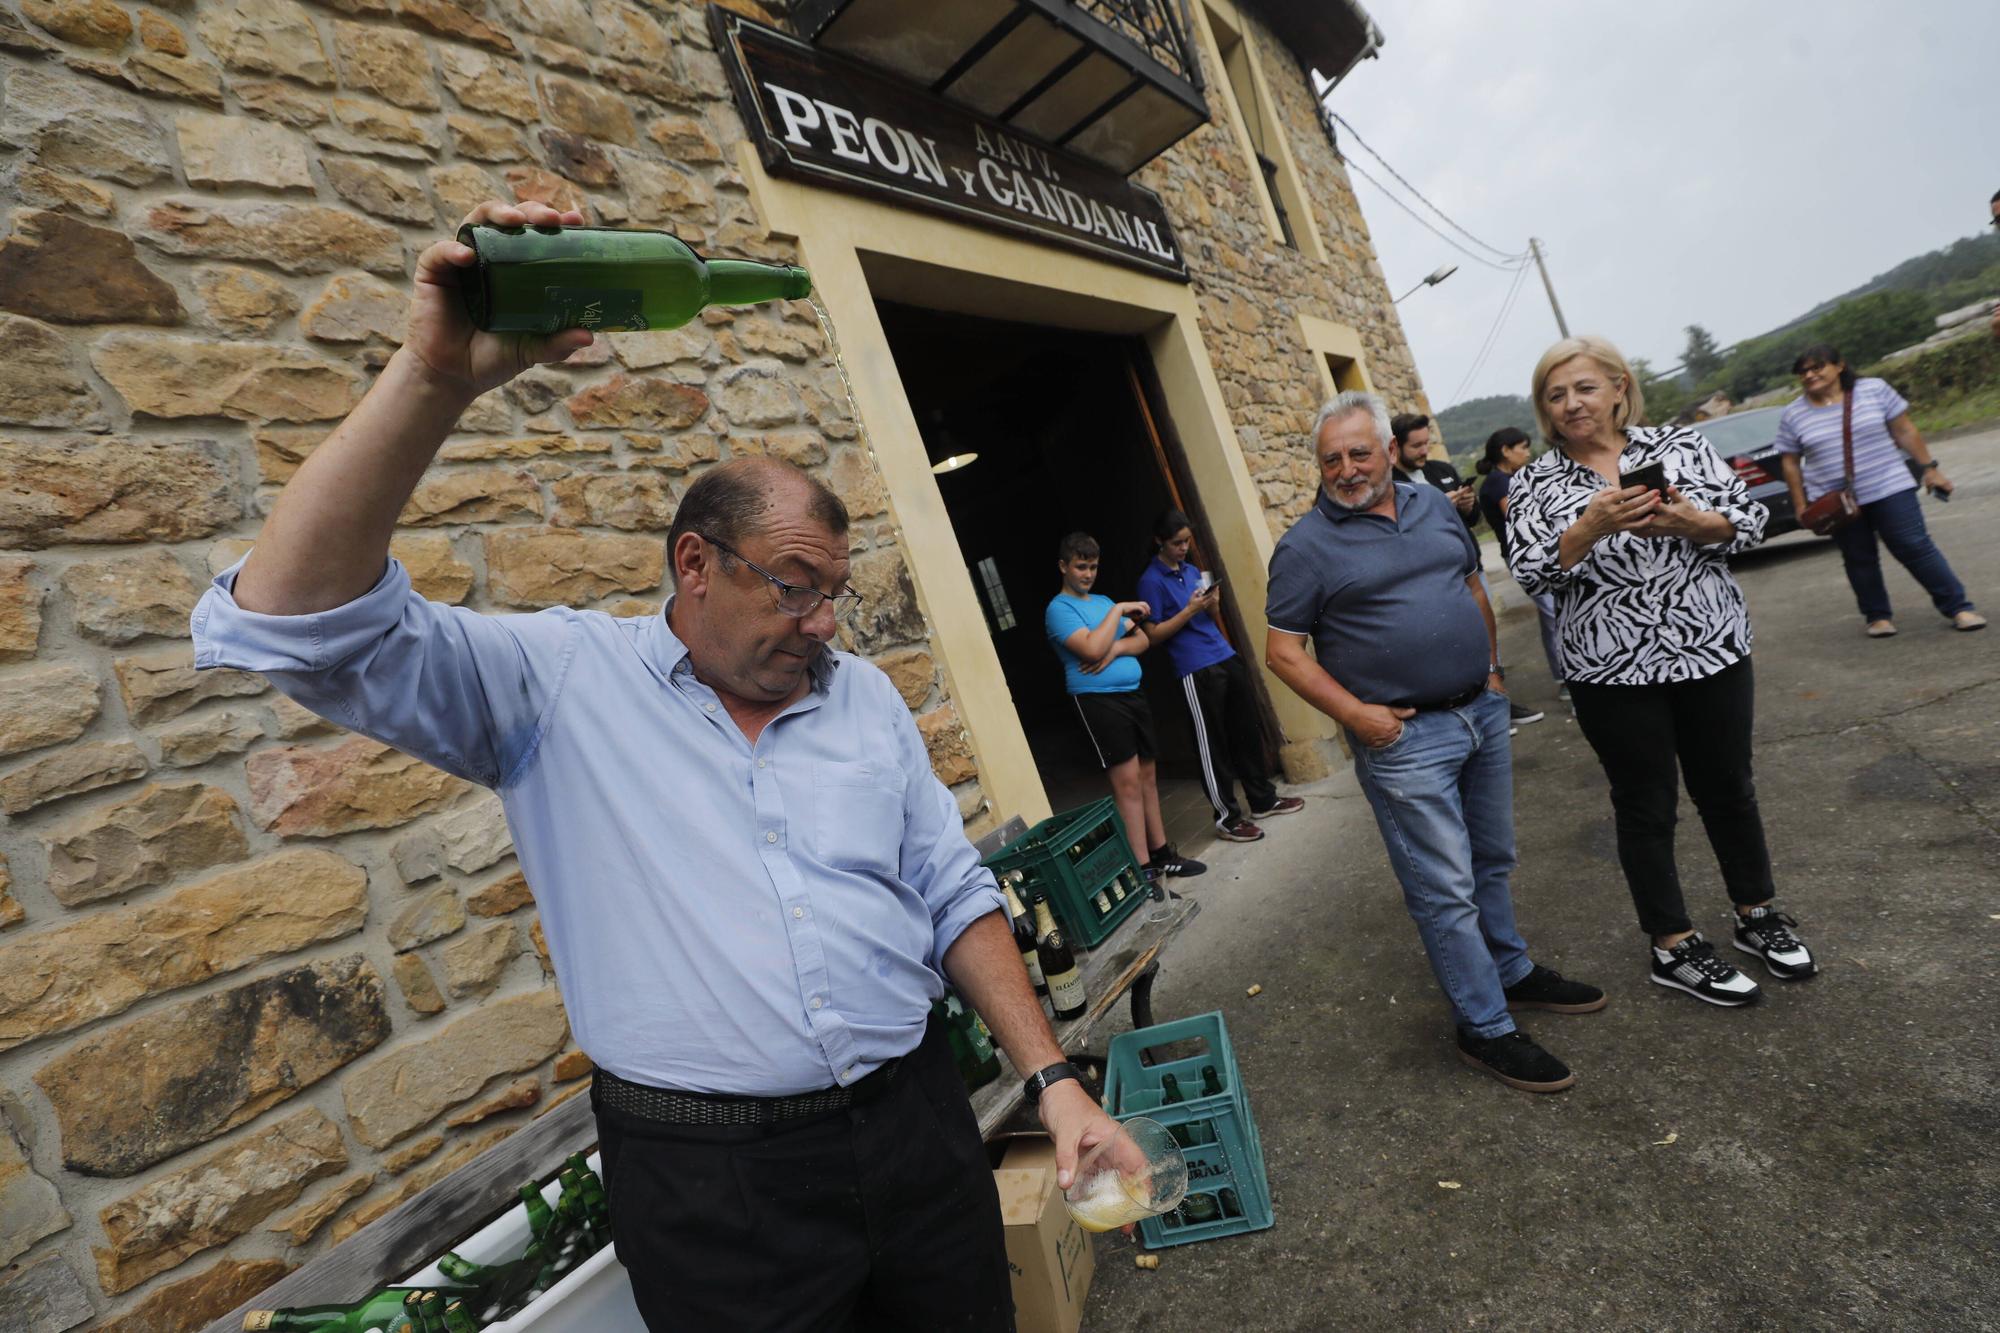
[880,1216]
[1642,733]
[1228,738]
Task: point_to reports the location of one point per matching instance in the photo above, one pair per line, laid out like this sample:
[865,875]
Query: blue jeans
[1443,796]
[1898,521]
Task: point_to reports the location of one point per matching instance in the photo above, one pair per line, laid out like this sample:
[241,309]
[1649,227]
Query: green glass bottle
[457,1319]
[380,1313]
[545,279]
[1211,1086]
[596,1206]
[463,1272]
[431,1313]
[541,1218]
[569,1204]
[982,1064]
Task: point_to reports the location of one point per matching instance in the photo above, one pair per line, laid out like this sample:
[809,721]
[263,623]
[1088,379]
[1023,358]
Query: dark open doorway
[1067,439]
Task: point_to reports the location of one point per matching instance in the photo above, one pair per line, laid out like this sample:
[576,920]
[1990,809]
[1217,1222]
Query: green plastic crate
[1074,857]
[1218,1135]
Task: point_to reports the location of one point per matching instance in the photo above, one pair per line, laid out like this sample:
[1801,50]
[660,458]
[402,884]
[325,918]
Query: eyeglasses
[794,600]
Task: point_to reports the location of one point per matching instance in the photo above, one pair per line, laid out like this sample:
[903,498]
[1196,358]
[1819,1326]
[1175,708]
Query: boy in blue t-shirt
[1097,642]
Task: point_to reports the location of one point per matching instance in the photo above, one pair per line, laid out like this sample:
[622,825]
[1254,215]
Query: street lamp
[1436,276]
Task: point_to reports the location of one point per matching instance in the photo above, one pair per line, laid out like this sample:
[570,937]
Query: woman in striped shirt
[1814,461]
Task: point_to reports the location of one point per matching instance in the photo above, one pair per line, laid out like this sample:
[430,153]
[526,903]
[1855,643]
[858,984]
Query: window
[1256,116]
[999,612]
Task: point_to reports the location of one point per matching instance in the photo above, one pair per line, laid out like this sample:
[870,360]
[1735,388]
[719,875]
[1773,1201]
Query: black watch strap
[1040,1080]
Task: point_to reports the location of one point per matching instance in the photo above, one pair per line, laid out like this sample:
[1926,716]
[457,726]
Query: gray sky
[1726,164]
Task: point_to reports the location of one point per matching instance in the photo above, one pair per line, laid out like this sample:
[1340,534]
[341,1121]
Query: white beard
[1368,500]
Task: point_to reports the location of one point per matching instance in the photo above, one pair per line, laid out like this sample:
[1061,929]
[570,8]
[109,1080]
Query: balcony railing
[1113,81]
[1157,25]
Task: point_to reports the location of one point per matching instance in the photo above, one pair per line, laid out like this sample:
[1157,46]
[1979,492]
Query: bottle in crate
[1024,935]
[1066,993]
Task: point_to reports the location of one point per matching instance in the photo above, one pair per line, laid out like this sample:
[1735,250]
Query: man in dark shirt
[1415,465]
[1385,581]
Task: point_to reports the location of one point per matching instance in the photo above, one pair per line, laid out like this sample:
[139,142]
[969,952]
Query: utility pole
[1535,247]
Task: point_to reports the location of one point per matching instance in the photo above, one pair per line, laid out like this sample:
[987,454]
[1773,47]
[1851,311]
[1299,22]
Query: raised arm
[1159,631]
[325,542]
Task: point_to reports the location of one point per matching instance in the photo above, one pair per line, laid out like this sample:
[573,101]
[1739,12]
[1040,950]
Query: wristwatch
[1037,1082]
[1928,466]
[1495,669]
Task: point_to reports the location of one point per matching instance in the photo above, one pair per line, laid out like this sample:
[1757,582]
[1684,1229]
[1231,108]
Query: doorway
[1066,436]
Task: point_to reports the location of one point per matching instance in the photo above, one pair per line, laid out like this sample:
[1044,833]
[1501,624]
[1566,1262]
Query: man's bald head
[736,500]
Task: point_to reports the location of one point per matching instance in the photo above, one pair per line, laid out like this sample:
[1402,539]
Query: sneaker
[1170,863]
[1238,830]
[1968,621]
[1562,695]
[1521,715]
[1881,629]
[1768,934]
[1284,805]
[1692,966]
[1516,1061]
[1546,988]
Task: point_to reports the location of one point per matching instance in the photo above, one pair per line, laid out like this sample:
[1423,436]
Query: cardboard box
[1048,1254]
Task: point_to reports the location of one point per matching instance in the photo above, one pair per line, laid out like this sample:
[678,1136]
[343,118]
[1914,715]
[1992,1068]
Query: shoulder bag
[1836,509]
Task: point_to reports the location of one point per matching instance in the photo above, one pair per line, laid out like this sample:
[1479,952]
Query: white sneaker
[1692,966]
[1767,933]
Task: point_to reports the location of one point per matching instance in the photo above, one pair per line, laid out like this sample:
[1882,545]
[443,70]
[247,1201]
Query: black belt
[1444,705]
[671,1107]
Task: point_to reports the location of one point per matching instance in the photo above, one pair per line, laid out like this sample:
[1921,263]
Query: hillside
[1955,275]
[1466,425]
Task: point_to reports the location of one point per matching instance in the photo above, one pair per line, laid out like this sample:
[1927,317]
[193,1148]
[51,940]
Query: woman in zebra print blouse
[1656,645]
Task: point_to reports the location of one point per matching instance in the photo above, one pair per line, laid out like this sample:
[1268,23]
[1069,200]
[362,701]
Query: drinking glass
[1135,1174]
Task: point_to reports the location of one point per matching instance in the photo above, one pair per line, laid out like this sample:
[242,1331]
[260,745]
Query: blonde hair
[1609,358]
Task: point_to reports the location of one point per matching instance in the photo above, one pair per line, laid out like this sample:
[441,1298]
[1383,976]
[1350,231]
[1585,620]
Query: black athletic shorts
[1120,725]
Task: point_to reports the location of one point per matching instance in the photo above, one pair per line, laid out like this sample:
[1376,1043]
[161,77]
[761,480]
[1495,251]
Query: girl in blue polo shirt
[1228,737]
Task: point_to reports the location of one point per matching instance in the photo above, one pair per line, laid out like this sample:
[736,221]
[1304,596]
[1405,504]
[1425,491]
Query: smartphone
[1653,475]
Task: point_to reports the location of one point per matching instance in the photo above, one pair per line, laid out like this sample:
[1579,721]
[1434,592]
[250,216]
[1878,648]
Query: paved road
[1833,1154]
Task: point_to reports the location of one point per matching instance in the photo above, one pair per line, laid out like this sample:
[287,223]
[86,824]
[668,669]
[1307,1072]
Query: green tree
[1702,358]
[1870,327]
[1664,397]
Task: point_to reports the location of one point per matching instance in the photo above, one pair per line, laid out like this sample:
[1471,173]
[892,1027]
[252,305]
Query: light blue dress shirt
[725,918]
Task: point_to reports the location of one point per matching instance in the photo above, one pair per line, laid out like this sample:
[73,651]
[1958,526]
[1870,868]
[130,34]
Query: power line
[1424,222]
[1356,135]
[1492,335]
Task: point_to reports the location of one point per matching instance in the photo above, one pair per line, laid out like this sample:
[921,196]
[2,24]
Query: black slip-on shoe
[1515,1060]
[1545,988]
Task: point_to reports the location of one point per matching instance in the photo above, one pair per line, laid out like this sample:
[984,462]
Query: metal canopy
[1114,81]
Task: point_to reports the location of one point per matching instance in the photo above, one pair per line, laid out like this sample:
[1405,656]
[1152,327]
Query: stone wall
[261,980]
[229,934]
[1253,288]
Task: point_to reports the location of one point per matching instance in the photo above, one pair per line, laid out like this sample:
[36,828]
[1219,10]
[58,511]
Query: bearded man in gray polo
[1382,575]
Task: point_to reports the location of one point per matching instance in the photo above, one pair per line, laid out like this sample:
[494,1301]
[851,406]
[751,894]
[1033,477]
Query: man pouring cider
[751,883]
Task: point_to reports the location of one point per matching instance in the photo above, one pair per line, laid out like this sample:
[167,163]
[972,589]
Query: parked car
[1749,441]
